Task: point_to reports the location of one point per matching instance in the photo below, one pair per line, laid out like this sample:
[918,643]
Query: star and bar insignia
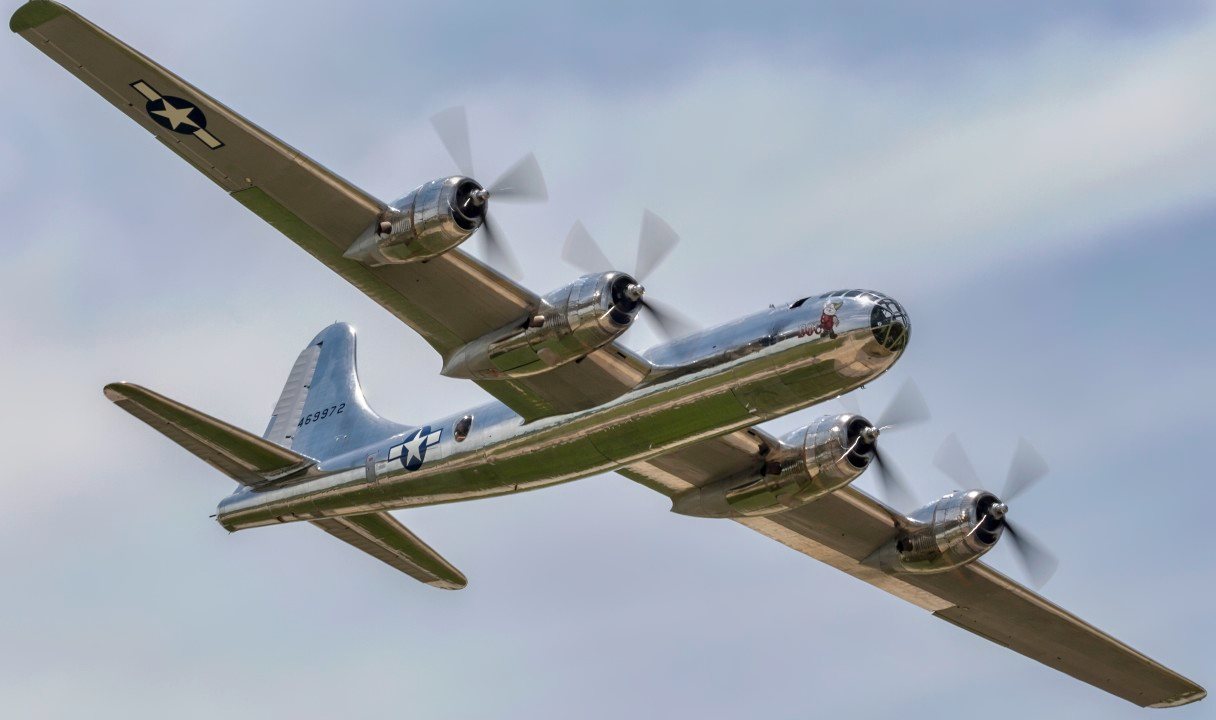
[412,452]
[176,114]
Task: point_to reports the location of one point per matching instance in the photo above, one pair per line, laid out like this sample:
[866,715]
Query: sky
[1032,180]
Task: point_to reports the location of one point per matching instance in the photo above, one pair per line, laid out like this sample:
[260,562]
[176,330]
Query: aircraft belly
[840,365]
[643,433]
[759,388]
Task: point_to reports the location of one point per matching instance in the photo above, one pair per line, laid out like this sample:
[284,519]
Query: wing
[382,537]
[450,300]
[242,456]
[845,527]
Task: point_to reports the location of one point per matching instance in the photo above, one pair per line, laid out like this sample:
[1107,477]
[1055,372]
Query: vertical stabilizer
[322,412]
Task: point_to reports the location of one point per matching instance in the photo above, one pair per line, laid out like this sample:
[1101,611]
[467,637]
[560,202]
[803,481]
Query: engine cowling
[811,462]
[569,324]
[953,531]
[429,221]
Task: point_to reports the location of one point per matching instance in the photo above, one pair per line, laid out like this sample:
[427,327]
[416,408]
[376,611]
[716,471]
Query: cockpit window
[853,293]
[798,303]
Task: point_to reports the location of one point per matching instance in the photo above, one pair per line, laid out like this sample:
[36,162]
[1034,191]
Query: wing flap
[384,538]
[242,456]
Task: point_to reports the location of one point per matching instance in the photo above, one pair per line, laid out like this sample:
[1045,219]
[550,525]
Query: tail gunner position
[570,399]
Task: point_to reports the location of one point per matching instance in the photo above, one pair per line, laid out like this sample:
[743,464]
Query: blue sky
[1032,180]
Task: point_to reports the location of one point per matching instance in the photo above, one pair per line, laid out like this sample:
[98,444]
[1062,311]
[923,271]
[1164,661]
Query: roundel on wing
[176,114]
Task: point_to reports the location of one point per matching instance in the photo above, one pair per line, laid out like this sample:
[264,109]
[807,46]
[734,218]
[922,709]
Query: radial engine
[812,462]
[429,221]
[955,530]
[569,324]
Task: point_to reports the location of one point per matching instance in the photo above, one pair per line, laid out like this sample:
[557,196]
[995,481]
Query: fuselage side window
[461,430]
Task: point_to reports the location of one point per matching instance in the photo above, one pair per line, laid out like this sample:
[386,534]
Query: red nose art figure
[828,320]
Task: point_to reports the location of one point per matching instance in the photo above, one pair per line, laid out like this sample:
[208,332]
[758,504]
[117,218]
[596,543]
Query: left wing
[843,528]
[450,300]
[244,457]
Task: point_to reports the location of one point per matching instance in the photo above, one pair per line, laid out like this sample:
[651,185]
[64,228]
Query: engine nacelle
[569,324]
[811,462]
[954,531]
[429,221]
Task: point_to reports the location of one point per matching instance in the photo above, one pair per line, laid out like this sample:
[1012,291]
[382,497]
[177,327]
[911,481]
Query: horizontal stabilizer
[384,538]
[242,456]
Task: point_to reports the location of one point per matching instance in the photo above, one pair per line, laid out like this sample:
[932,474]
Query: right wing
[384,538]
[845,527]
[450,300]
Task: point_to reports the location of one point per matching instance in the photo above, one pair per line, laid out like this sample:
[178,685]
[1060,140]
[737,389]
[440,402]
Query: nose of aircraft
[857,310]
[889,322]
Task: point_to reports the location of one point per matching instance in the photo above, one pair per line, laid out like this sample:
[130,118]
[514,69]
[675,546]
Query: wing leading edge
[845,527]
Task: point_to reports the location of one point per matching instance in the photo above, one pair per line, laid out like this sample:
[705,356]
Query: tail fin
[322,412]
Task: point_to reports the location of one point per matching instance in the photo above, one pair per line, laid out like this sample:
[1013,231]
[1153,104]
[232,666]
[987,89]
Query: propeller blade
[952,460]
[908,407]
[522,182]
[895,488]
[655,243]
[497,252]
[849,404]
[1035,558]
[1025,470]
[452,126]
[583,252]
[670,322]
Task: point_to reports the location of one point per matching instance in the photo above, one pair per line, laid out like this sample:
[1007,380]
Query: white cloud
[783,174]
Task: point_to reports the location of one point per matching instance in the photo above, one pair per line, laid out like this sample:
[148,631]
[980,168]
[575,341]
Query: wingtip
[117,391]
[34,13]
[453,584]
[1184,699]
[449,578]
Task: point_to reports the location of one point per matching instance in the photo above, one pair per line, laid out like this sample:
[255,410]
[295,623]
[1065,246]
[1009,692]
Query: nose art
[889,323]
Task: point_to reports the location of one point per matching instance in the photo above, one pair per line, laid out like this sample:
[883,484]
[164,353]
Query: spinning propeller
[908,407]
[655,242]
[522,182]
[1026,469]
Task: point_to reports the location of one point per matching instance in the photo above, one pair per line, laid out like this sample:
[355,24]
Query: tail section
[322,412]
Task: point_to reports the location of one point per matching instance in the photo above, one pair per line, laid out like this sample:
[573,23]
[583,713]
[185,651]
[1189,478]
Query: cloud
[988,185]
[1015,158]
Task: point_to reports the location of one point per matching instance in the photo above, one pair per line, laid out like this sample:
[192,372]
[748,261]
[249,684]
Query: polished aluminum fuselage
[708,384]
